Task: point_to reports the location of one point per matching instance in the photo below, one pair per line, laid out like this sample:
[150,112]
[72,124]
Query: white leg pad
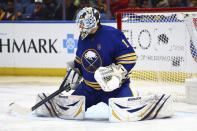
[66,107]
[140,108]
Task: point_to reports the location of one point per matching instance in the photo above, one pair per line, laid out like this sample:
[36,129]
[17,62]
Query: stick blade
[19,109]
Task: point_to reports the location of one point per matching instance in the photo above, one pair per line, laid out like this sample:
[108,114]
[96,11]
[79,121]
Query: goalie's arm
[124,53]
[77,64]
[110,77]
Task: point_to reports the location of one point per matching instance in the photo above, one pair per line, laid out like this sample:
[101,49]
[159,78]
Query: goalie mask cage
[167,56]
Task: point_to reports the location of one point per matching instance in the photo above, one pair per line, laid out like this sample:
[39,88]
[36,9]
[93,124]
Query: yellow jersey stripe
[126,62]
[92,82]
[77,57]
[77,61]
[128,58]
[91,85]
[97,88]
[125,43]
[126,55]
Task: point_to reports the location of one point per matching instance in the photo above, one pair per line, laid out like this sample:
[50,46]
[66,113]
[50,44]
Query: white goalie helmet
[87,19]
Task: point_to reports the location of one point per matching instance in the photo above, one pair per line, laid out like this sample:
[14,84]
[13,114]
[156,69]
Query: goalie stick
[22,110]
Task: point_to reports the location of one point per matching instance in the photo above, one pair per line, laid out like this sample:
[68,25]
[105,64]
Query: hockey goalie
[104,59]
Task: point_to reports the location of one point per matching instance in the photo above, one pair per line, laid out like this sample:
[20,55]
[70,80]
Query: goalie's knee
[140,108]
[66,107]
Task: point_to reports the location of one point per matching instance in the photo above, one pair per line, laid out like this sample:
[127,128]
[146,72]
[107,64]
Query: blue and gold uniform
[108,45]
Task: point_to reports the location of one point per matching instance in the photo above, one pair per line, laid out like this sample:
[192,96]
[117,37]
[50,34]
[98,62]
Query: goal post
[165,42]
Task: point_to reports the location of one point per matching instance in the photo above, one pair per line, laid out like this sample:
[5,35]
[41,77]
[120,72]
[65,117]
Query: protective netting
[165,44]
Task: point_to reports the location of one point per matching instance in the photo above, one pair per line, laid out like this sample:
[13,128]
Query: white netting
[165,48]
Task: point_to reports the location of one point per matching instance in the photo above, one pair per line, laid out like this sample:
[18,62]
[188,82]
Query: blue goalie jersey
[107,46]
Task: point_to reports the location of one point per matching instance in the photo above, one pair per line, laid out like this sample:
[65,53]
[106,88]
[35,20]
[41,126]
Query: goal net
[165,42]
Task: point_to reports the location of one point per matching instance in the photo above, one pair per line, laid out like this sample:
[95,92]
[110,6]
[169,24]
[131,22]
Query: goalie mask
[87,19]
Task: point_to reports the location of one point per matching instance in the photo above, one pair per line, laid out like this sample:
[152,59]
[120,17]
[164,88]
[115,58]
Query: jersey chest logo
[91,60]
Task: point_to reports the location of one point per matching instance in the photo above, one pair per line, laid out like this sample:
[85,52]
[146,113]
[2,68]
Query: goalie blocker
[140,108]
[61,106]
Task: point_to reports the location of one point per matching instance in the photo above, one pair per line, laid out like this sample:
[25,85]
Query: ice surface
[185,118]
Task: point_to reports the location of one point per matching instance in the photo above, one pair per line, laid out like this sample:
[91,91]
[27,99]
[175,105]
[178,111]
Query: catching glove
[110,77]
